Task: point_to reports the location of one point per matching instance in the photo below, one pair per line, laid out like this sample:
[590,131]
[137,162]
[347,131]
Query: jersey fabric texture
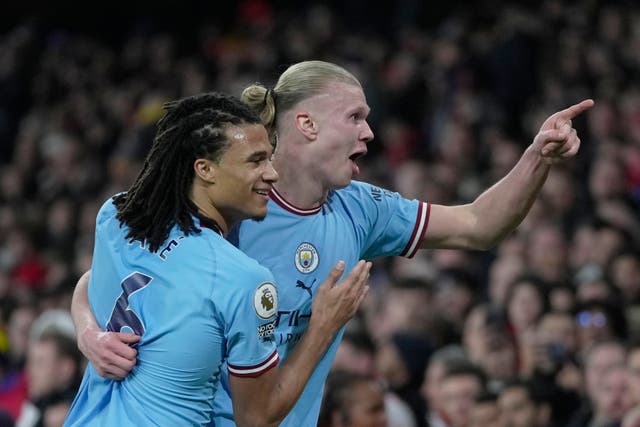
[301,246]
[196,302]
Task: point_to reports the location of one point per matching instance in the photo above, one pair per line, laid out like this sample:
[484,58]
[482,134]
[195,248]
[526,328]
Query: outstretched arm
[266,400]
[500,209]
[108,352]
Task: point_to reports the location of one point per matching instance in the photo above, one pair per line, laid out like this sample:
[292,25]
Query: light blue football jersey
[196,302]
[301,246]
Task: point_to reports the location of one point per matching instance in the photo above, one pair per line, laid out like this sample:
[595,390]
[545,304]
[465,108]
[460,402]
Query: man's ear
[306,125]
[205,169]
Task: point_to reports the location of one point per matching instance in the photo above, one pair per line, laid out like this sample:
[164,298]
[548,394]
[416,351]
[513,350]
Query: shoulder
[237,263]
[106,217]
[355,188]
[364,191]
[249,267]
[107,209]
[208,255]
[244,281]
[363,194]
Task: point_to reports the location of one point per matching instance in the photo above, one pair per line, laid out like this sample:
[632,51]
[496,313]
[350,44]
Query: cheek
[339,140]
[329,156]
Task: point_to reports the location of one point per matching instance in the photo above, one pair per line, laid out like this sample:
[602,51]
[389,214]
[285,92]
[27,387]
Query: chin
[258,216]
[341,184]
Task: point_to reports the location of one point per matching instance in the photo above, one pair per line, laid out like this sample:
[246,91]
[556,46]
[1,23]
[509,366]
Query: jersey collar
[209,223]
[284,204]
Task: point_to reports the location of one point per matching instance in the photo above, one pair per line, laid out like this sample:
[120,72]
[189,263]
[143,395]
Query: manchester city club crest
[306,258]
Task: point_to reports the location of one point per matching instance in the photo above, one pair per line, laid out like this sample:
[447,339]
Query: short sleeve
[251,318]
[389,223]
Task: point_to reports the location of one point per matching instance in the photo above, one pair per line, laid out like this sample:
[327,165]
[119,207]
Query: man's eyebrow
[257,155]
[365,109]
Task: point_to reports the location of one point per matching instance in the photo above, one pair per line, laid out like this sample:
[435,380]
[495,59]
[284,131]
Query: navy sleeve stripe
[419,230]
[255,370]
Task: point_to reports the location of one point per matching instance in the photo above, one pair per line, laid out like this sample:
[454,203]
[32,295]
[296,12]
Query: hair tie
[266,94]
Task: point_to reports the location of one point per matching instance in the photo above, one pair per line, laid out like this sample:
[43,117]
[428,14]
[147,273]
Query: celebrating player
[163,271]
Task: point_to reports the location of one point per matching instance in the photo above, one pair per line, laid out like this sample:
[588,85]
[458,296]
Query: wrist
[84,331]
[87,325]
[321,333]
[533,155]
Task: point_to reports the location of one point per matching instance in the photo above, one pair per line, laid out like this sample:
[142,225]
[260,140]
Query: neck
[212,213]
[207,209]
[298,187]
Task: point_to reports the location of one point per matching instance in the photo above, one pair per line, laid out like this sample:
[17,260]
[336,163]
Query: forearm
[501,208]
[266,400]
[296,371]
[108,352]
[80,309]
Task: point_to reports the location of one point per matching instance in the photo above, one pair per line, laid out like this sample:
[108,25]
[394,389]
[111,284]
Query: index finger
[569,113]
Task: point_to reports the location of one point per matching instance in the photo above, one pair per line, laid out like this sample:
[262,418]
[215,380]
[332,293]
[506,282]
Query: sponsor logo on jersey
[306,258]
[300,284]
[377,193]
[265,300]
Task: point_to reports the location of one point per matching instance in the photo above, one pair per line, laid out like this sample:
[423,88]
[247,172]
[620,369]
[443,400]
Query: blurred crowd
[541,331]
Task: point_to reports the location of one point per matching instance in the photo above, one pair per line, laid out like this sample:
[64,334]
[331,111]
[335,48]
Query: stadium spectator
[401,361]
[352,400]
[600,359]
[441,361]
[54,370]
[522,405]
[356,354]
[485,411]
[461,387]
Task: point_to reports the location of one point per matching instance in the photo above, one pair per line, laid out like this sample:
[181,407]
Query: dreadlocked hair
[191,128]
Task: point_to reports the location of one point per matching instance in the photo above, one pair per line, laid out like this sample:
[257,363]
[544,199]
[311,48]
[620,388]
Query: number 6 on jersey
[123,318]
